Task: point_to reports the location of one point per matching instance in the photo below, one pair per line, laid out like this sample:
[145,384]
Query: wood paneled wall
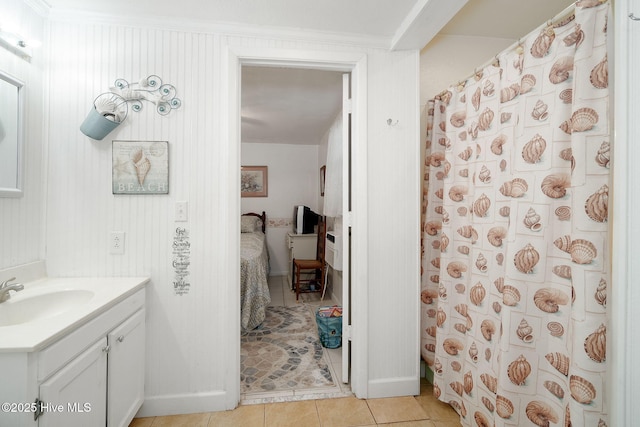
[186,342]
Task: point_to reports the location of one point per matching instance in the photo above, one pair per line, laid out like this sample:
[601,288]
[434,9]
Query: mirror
[11,135]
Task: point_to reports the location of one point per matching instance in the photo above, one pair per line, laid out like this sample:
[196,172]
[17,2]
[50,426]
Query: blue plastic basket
[329,328]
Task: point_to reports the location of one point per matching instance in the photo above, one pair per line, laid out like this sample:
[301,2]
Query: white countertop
[36,334]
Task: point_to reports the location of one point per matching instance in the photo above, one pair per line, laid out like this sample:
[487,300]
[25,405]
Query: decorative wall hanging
[253,181]
[111,108]
[140,167]
[181,261]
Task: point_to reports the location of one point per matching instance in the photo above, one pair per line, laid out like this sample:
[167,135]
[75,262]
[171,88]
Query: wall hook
[632,16]
[390,122]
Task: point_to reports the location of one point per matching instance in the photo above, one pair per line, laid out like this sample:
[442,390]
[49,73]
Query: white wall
[293,180]
[187,342]
[447,60]
[393,215]
[22,219]
[623,385]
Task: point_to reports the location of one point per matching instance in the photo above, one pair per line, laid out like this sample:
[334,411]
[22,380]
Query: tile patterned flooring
[335,407]
[418,411]
[282,296]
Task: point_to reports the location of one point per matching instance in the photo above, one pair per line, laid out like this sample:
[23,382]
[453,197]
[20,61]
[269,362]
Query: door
[126,370]
[77,394]
[346,226]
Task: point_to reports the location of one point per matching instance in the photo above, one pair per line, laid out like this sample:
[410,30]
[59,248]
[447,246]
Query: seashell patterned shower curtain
[515,257]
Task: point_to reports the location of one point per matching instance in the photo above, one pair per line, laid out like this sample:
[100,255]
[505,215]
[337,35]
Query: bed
[254,270]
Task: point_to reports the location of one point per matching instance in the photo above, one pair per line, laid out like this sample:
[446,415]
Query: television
[304,220]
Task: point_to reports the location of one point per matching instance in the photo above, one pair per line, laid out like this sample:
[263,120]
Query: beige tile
[437,410]
[348,411]
[141,422]
[245,416]
[450,423]
[292,414]
[396,409]
[187,420]
[420,423]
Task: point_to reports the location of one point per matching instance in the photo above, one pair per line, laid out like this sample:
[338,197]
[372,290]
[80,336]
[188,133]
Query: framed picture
[253,181]
[323,172]
[140,167]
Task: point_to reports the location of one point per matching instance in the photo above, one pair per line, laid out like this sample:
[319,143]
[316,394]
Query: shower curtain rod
[567,13]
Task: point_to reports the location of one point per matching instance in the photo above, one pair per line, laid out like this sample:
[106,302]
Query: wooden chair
[309,274]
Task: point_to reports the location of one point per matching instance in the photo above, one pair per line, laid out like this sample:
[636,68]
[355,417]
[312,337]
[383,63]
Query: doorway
[355,63]
[289,117]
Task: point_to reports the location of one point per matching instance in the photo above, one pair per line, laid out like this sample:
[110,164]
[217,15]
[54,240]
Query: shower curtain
[515,257]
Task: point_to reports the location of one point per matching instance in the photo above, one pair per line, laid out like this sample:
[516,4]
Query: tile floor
[281,295]
[418,411]
[332,407]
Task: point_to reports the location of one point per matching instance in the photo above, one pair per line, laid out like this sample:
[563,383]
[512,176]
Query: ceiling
[287,105]
[365,17]
[508,19]
[297,106]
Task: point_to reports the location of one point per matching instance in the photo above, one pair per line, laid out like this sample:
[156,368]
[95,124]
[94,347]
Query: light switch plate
[182,211]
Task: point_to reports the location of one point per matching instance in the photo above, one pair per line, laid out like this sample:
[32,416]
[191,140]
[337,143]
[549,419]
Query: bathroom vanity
[73,352]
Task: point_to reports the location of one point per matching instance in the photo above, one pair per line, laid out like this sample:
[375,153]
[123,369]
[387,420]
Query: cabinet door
[76,395]
[126,370]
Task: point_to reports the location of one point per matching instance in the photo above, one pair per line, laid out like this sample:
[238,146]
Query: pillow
[249,224]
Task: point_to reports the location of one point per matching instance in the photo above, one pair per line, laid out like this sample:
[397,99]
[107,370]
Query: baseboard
[394,387]
[185,404]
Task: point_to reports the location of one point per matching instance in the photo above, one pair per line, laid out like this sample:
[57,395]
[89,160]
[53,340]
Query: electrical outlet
[116,243]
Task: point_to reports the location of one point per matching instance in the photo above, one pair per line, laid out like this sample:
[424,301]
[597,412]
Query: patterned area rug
[284,353]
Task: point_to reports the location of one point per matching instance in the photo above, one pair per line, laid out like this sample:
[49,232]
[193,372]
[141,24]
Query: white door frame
[356,63]
[623,295]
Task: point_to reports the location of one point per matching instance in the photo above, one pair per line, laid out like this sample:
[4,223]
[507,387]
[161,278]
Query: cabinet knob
[120,338]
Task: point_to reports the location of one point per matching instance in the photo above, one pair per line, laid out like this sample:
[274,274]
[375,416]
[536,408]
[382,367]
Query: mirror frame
[17,190]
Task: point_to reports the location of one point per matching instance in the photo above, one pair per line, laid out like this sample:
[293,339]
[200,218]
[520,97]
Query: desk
[301,246]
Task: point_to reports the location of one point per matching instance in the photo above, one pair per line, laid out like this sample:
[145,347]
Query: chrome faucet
[5,287]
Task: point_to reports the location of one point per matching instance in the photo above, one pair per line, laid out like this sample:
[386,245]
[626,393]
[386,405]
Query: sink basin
[30,306]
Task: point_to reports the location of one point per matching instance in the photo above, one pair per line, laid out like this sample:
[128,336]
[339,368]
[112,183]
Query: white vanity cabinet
[91,376]
[105,382]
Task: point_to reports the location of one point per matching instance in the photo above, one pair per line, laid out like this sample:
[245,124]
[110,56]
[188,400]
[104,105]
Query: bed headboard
[263,217]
